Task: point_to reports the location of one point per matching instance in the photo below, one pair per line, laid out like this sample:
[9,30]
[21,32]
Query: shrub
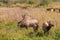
[31,1]
[45,2]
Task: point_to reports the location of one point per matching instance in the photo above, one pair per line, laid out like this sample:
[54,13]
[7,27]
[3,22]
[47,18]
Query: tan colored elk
[47,26]
[28,21]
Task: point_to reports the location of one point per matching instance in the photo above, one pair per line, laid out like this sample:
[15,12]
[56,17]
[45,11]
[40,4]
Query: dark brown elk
[47,26]
[50,9]
[28,21]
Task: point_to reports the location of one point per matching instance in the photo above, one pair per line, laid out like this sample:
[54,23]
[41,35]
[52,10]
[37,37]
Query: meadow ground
[10,31]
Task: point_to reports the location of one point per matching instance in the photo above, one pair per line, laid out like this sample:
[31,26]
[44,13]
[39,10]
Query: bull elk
[28,21]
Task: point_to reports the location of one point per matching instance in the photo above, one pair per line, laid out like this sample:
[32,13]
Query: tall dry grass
[10,31]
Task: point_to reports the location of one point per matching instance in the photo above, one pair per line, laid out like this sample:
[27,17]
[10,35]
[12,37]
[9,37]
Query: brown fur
[46,28]
[28,21]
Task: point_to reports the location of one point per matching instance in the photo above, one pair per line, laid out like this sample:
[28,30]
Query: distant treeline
[38,2]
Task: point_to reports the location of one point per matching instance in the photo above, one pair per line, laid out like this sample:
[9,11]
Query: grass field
[10,31]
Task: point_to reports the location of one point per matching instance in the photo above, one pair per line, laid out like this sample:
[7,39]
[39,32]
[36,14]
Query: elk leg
[35,28]
[26,27]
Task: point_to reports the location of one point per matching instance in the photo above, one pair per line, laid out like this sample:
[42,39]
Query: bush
[56,0]
[31,1]
[45,2]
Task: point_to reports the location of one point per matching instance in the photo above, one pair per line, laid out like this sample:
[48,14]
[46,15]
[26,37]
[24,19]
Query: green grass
[10,31]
